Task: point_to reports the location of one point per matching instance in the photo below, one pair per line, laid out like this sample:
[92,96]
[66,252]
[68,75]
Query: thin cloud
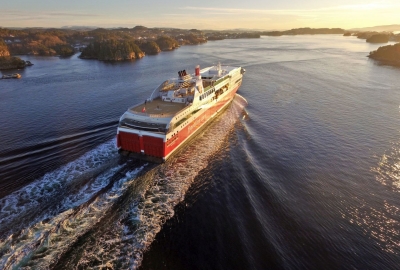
[71,14]
[177,14]
[369,6]
[25,14]
[297,12]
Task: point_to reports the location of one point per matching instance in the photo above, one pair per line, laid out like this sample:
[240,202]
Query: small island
[115,44]
[228,35]
[389,54]
[305,31]
[112,50]
[124,44]
[10,62]
[375,37]
[378,38]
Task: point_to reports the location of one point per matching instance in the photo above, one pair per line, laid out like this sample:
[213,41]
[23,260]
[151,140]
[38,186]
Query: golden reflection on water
[379,223]
[378,218]
[388,169]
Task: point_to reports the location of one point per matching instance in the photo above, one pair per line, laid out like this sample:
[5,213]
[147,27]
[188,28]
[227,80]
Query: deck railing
[153,115]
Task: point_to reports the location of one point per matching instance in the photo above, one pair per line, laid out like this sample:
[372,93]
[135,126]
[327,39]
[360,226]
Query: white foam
[57,234]
[122,243]
[27,201]
[136,229]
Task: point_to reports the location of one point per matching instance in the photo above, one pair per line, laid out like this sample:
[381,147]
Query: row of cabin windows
[177,133]
[206,94]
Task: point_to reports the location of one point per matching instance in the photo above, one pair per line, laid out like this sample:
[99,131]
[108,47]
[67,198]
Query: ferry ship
[154,129]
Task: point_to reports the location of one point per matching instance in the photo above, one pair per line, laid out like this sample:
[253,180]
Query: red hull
[156,147]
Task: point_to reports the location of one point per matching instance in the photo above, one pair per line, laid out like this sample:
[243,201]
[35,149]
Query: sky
[204,14]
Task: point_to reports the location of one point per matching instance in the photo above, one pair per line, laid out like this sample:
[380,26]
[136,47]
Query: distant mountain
[380,28]
[304,31]
[233,30]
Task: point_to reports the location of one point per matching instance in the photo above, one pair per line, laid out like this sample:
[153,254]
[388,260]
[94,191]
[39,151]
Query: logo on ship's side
[172,141]
[196,123]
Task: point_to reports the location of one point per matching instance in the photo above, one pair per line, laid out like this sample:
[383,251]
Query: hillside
[4,49]
[389,54]
[305,31]
[112,50]
[7,61]
[378,38]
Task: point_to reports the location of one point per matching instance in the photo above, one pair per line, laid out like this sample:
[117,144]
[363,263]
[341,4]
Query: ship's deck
[157,106]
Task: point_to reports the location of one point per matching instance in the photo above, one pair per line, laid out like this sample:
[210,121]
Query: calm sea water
[306,176]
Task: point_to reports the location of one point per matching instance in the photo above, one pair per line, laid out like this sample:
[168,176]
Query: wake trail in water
[59,190]
[11,155]
[113,228]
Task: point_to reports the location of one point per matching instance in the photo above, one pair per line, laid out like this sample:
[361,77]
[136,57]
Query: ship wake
[111,212]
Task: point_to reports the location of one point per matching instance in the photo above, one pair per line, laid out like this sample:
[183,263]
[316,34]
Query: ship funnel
[197,70]
[199,81]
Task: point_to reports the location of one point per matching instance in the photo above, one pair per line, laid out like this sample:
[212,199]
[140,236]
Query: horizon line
[156,27]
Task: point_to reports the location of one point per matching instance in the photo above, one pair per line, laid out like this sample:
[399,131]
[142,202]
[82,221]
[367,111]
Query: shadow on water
[387,64]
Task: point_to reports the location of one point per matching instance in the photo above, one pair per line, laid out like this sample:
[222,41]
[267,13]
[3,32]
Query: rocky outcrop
[365,35]
[167,43]
[7,61]
[10,62]
[389,54]
[112,50]
[305,31]
[395,38]
[191,39]
[3,49]
[4,53]
[374,37]
[149,47]
[378,38]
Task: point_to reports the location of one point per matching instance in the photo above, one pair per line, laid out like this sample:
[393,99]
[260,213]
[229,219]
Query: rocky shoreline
[11,62]
[375,37]
[304,31]
[389,55]
[122,50]
[124,44]
[112,50]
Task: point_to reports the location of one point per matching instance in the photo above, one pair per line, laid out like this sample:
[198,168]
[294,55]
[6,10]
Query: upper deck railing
[154,115]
